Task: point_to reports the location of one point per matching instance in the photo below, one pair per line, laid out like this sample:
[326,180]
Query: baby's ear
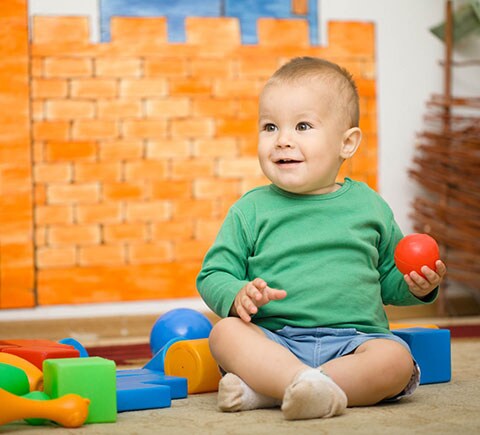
[351,140]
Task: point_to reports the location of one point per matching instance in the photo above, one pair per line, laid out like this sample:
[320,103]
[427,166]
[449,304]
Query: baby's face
[300,136]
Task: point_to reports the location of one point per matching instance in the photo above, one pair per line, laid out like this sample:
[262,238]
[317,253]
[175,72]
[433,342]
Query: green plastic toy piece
[93,378]
[13,379]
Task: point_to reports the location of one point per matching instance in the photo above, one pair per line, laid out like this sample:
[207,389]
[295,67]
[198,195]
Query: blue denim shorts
[316,346]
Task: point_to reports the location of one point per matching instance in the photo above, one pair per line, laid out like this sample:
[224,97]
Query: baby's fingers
[274,294]
[429,277]
[254,289]
[242,313]
[441,269]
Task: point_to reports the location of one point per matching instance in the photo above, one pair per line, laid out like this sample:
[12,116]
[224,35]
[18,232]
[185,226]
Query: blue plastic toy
[157,362]
[177,385]
[431,349]
[147,389]
[76,344]
[137,396]
[180,322]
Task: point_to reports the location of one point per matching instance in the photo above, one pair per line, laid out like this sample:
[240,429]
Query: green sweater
[332,253]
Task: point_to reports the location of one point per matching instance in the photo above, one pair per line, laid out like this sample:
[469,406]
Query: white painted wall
[408,72]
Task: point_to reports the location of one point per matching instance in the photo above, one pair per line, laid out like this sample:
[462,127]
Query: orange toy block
[70,410]
[34,374]
[394,325]
[37,351]
[192,359]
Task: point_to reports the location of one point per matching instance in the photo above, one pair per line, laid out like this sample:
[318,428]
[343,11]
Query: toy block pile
[42,380]
[45,381]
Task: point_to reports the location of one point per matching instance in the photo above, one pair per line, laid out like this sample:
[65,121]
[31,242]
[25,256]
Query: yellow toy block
[192,359]
[394,325]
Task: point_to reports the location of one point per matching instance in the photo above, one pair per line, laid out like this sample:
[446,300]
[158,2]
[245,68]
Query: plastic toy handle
[34,374]
[70,410]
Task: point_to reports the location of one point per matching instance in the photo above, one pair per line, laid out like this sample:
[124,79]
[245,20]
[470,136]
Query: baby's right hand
[253,295]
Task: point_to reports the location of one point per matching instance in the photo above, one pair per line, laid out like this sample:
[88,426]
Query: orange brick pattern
[140,146]
[16,208]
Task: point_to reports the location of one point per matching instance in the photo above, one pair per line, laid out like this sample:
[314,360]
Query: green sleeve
[394,288]
[224,269]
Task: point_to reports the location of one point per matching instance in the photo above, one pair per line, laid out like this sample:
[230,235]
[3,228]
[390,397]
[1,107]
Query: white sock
[235,395]
[312,394]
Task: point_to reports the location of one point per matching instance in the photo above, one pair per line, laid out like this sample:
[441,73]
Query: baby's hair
[312,67]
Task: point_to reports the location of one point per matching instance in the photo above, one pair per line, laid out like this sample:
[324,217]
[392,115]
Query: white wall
[408,72]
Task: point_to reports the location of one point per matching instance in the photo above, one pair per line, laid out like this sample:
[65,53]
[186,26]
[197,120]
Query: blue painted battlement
[175,11]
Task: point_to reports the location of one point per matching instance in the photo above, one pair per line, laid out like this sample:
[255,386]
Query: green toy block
[93,378]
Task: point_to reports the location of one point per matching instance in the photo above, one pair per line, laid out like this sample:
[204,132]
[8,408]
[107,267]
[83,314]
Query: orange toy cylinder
[70,410]
[193,360]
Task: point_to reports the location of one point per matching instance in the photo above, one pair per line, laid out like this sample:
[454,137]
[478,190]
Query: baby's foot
[312,394]
[235,395]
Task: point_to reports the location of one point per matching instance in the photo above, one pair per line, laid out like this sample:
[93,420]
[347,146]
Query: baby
[301,268]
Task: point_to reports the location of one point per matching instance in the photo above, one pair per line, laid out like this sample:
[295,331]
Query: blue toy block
[431,349]
[149,388]
[130,373]
[177,385]
[134,396]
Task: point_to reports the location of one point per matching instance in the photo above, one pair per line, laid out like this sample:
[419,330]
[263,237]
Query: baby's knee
[403,361]
[223,330]
[392,366]
[399,368]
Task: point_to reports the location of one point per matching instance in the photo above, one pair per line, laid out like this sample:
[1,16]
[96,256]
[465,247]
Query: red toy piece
[37,351]
[415,251]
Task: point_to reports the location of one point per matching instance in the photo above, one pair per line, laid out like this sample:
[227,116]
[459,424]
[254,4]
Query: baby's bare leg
[243,349]
[264,374]
[377,370]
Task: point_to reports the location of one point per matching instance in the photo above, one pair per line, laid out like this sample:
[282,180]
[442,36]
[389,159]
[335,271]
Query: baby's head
[302,70]
[308,125]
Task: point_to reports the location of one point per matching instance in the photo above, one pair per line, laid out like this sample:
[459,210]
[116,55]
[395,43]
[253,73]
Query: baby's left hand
[421,286]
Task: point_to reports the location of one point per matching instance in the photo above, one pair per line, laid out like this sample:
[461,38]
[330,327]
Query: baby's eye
[302,126]
[270,127]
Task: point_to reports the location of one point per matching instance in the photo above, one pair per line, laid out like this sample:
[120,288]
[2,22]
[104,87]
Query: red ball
[415,251]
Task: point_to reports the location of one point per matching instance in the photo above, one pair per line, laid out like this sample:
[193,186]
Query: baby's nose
[284,145]
[284,141]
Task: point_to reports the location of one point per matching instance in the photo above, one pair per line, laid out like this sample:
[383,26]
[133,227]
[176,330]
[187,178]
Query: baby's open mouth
[286,161]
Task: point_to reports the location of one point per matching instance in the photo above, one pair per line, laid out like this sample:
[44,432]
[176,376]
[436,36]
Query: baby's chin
[297,190]
[308,190]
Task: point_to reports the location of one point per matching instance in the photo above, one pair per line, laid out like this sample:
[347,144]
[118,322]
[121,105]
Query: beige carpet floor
[449,408]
